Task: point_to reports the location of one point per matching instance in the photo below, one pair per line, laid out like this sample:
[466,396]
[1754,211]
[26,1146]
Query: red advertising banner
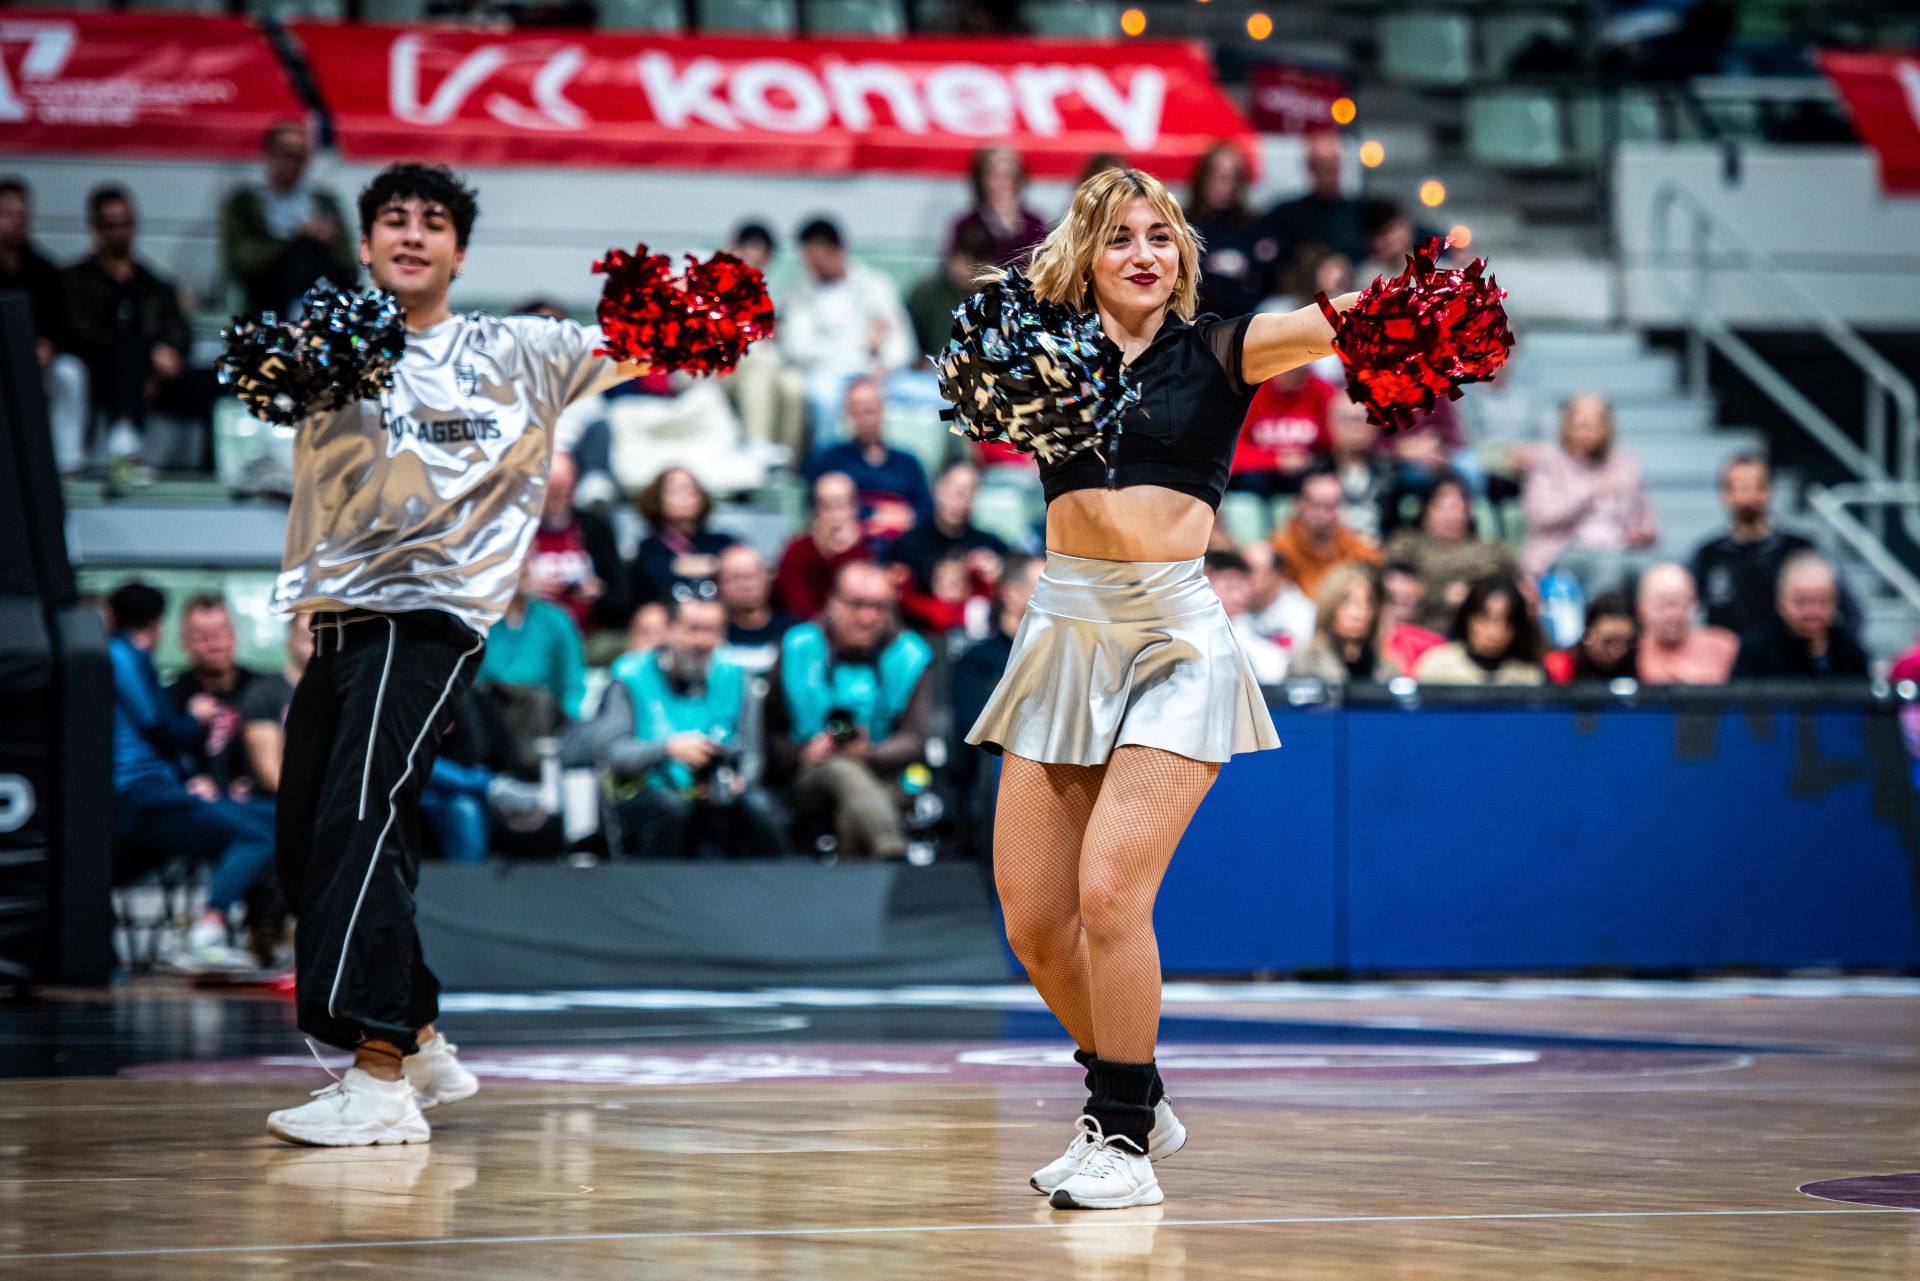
[764,105]
[1883,93]
[1290,99]
[135,82]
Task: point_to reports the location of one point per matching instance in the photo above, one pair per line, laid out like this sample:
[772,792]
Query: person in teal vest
[676,738]
[850,709]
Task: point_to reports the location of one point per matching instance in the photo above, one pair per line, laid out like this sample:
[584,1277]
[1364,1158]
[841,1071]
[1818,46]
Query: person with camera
[850,709]
[675,739]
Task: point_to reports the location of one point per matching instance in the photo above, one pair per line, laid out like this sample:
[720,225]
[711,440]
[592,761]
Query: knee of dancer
[1041,937]
[1112,910]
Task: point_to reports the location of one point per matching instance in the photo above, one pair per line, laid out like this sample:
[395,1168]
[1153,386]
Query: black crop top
[1182,431]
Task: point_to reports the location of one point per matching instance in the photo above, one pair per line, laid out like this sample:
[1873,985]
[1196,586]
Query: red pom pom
[700,321]
[1421,335]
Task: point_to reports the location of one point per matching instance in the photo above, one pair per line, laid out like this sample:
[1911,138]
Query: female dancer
[1126,690]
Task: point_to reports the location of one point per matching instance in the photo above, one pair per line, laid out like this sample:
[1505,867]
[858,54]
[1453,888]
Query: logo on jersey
[465,378]
[443,431]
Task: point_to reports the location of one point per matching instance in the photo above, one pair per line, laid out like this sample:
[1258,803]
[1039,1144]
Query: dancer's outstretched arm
[1281,340]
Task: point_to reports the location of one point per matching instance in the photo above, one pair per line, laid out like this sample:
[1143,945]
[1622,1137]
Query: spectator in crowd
[679,547]
[279,236]
[851,707]
[1232,581]
[63,375]
[1238,263]
[1443,548]
[674,733]
[126,323]
[1285,430]
[535,647]
[1674,649]
[1738,573]
[1402,594]
[161,812]
[999,180]
[931,303]
[1435,441]
[263,710]
[1350,632]
[893,486]
[575,559]
[833,538]
[971,681]
[1495,641]
[1605,651]
[1806,637]
[841,321]
[1391,237]
[950,533]
[1315,269]
[754,624]
[767,393]
[1586,500]
[208,641]
[1366,477]
[473,783]
[1279,610]
[1313,540]
[646,633]
[1326,215]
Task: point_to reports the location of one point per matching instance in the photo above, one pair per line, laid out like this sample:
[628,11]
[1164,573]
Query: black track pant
[362,732]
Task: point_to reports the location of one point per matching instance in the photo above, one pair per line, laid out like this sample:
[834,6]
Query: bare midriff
[1139,522]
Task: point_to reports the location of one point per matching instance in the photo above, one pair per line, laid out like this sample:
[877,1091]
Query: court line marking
[1080,1225]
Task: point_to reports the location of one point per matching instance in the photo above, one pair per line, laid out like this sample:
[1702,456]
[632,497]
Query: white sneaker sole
[1148,1195]
[472,1088]
[1159,1148]
[367,1135]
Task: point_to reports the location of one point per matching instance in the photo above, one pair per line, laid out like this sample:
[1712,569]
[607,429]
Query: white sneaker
[1112,1176]
[436,1075]
[358,1110]
[1168,1137]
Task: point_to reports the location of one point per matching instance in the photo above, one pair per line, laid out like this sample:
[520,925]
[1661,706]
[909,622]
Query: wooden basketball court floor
[1429,1132]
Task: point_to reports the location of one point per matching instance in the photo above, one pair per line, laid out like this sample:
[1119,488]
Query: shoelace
[338,1086]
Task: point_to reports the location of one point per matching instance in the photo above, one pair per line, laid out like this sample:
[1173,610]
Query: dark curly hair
[435,184]
[650,503]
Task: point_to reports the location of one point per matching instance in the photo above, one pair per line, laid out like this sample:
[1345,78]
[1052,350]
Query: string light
[1344,111]
[1259,26]
[1133,22]
[1372,153]
[1462,235]
[1433,193]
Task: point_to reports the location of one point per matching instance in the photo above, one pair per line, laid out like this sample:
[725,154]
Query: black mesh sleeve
[1227,340]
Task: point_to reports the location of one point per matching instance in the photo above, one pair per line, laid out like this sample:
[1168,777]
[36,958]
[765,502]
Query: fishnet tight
[1078,855]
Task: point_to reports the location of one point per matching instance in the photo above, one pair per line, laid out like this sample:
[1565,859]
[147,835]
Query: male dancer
[411,515]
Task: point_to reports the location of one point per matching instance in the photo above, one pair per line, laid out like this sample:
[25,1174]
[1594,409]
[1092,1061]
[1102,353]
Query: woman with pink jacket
[1585,494]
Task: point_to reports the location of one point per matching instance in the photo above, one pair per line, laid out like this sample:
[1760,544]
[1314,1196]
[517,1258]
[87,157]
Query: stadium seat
[393,10]
[920,432]
[1072,18]
[1427,47]
[643,15]
[856,17]
[1515,129]
[1247,516]
[1503,35]
[775,16]
[1005,512]
[1637,119]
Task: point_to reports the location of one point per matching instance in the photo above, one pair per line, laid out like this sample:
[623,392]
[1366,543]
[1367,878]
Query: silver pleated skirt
[1113,652]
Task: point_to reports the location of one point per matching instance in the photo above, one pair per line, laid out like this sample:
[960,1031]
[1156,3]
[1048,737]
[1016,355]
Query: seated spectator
[999,180]
[950,533]
[1444,550]
[646,633]
[1369,497]
[1280,611]
[1349,645]
[535,647]
[1806,638]
[679,547]
[1585,499]
[833,538]
[754,624]
[208,641]
[575,559]
[63,375]
[1605,651]
[280,236]
[473,783]
[841,321]
[1232,581]
[160,811]
[1285,430]
[851,707]
[675,736]
[1326,215]
[1238,262]
[1673,649]
[1738,573]
[126,323]
[263,710]
[1435,441]
[1313,540]
[971,682]
[893,486]
[1495,641]
[767,393]
[1402,593]
[931,303]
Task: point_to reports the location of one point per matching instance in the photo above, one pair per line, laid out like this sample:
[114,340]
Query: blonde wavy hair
[1061,266]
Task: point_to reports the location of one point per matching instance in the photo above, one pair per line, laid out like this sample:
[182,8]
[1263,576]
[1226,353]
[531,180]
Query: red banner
[1883,93]
[765,105]
[1289,99]
[134,82]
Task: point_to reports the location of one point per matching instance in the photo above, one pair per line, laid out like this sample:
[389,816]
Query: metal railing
[1892,413]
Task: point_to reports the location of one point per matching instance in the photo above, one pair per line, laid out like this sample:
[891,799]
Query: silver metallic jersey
[429,497]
